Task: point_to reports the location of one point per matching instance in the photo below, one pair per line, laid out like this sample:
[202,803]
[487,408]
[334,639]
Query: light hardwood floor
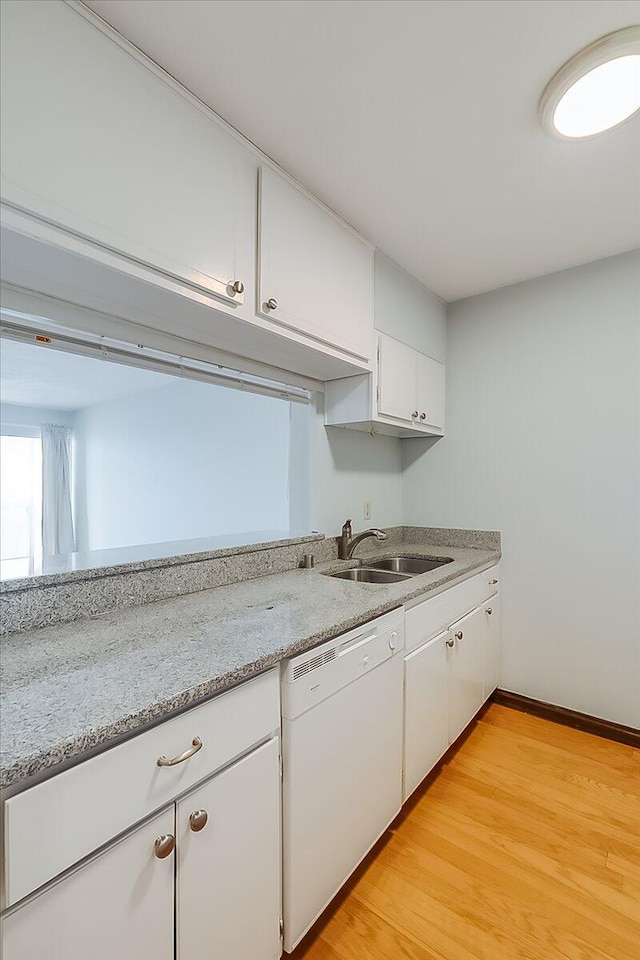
[525,846]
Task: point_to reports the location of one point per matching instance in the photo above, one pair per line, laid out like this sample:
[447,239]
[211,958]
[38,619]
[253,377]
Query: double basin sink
[390,569]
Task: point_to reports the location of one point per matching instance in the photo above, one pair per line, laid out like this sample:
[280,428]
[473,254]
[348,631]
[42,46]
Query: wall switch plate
[367,510]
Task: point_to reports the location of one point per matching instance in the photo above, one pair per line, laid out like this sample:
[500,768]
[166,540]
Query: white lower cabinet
[119,905]
[228,870]
[199,877]
[465,670]
[492,645]
[426,710]
[452,667]
[220,899]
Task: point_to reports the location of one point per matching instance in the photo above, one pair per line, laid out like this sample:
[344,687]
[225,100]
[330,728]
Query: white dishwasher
[342,710]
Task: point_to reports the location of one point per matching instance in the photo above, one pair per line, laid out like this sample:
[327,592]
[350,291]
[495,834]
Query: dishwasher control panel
[322,671]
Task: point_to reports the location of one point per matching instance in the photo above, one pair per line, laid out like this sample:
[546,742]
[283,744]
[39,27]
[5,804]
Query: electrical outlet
[367,510]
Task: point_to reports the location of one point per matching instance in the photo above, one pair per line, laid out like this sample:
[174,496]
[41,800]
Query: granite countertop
[71,689]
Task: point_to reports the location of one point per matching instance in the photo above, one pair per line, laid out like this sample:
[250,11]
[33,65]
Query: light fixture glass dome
[596,90]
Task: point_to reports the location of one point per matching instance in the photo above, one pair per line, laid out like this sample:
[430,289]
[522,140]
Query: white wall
[17,415]
[181,461]
[543,443]
[406,310]
[352,467]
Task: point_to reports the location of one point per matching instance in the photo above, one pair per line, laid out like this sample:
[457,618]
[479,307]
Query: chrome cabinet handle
[196,744]
[237,286]
[451,642]
[414,415]
[459,635]
[164,845]
[271,304]
[492,583]
[198,820]
[423,416]
[489,610]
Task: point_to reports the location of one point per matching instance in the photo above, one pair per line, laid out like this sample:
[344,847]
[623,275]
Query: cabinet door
[119,905]
[228,902]
[96,143]
[318,274]
[430,391]
[426,729]
[492,645]
[397,396]
[465,670]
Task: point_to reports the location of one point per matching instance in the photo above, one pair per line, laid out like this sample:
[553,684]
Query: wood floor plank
[561,762]
[525,846]
[355,932]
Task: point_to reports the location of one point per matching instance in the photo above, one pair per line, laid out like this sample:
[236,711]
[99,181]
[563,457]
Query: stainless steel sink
[366,575]
[409,565]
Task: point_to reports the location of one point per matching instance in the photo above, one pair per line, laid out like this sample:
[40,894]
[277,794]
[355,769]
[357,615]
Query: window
[20,505]
[135,455]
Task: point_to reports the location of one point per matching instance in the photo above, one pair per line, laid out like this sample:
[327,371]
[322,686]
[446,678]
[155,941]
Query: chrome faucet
[347,542]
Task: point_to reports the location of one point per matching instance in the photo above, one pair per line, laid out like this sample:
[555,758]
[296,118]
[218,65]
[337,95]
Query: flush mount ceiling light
[596,90]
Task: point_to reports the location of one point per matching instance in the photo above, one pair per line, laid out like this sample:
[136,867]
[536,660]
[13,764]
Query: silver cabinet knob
[237,286]
[489,610]
[423,416]
[414,415]
[451,642]
[459,635]
[198,820]
[164,845]
[271,304]
[492,583]
[393,639]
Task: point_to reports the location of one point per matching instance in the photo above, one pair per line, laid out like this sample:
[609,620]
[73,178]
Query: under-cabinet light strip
[31,330]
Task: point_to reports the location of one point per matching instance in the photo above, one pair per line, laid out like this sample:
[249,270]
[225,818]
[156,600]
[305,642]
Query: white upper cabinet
[410,386]
[315,275]
[397,394]
[430,392]
[94,142]
[404,397]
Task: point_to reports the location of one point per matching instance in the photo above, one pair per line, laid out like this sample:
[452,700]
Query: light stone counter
[71,689]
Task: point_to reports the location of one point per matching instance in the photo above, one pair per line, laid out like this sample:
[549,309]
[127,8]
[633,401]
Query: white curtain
[58,535]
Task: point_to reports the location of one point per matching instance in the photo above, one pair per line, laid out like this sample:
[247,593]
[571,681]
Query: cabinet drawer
[430,617]
[56,823]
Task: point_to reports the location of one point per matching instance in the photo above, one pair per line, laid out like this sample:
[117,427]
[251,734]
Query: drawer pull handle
[459,635]
[164,845]
[451,643]
[489,610]
[198,820]
[196,744]
[492,583]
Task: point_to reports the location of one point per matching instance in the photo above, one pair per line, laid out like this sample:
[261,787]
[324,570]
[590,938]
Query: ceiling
[35,376]
[416,120]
